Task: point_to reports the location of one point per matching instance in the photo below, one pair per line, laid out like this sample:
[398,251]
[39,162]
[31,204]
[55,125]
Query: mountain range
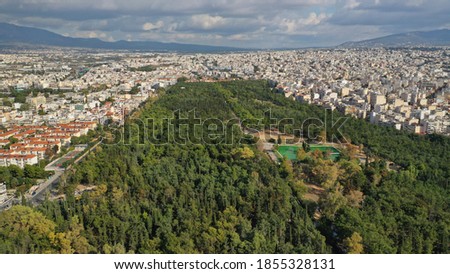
[13,36]
[409,39]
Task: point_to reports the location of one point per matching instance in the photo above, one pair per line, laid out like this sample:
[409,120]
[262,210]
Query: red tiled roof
[43,143]
[17,156]
[11,132]
[17,145]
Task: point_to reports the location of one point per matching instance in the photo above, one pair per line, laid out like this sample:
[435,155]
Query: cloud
[152,26]
[88,9]
[397,16]
[206,21]
[302,26]
[351,4]
[251,23]
[93,34]
[240,37]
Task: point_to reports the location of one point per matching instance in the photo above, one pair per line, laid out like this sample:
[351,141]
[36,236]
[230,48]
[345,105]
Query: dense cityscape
[50,96]
[406,89]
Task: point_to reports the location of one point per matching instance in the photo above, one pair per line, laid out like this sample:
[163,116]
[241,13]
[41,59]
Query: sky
[237,23]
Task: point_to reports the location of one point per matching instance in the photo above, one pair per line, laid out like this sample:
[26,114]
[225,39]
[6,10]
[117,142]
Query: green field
[290,152]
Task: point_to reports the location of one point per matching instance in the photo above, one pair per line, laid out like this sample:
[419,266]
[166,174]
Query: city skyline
[249,24]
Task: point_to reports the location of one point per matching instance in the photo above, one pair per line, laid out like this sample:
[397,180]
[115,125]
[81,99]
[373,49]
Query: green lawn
[290,152]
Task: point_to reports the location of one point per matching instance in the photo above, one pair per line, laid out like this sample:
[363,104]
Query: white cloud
[302,25]
[313,19]
[93,34]
[206,21]
[351,4]
[152,26]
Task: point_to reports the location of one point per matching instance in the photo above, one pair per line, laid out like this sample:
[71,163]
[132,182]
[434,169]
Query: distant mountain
[409,39]
[13,35]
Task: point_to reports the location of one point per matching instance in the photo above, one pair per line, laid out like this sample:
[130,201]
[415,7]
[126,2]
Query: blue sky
[243,23]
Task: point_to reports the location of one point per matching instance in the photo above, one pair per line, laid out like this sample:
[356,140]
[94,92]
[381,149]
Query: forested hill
[197,184]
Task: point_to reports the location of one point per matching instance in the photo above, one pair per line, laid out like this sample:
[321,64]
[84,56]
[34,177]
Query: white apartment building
[18,160]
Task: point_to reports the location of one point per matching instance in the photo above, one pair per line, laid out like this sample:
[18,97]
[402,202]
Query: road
[38,195]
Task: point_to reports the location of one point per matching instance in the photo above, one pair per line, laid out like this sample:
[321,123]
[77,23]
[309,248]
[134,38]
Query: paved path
[38,195]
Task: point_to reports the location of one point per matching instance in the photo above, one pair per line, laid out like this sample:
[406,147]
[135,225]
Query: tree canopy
[183,181]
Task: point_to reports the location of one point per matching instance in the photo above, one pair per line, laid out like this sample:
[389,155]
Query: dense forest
[22,179]
[183,178]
